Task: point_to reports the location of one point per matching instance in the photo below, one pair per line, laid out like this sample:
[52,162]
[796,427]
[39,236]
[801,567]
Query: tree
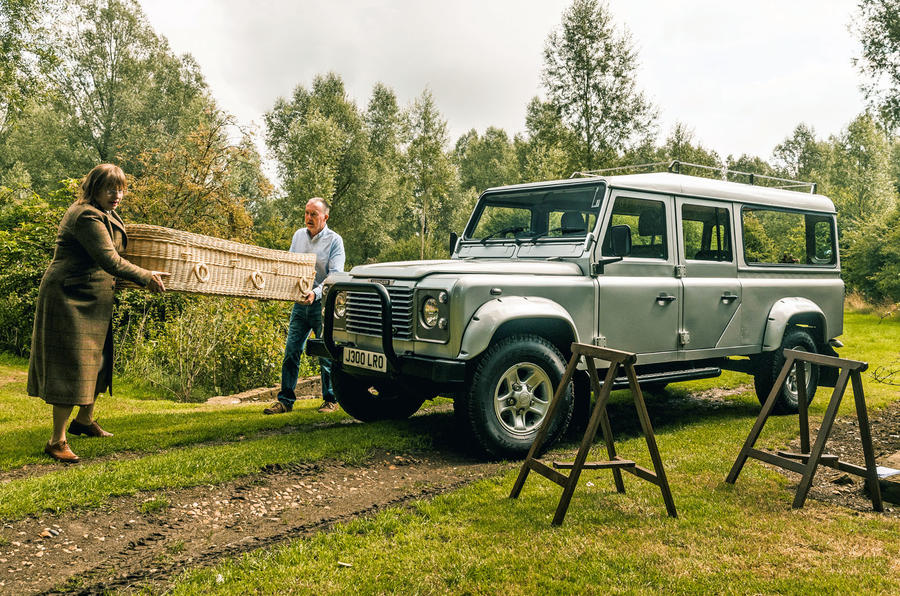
[386,191]
[22,52]
[546,151]
[800,156]
[27,233]
[871,260]
[189,185]
[429,172]
[319,140]
[485,161]
[679,145]
[119,83]
[878,27]
[859,172]
[589,75]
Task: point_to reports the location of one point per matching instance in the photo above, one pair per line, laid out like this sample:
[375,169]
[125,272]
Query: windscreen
[537,214]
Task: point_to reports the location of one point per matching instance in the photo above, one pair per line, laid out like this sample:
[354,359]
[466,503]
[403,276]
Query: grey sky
[742,75]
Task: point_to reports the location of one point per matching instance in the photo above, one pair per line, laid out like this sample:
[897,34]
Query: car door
[639,297]
[712,295]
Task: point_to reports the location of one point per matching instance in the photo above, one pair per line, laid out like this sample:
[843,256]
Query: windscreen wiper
[503,232]
[534,237]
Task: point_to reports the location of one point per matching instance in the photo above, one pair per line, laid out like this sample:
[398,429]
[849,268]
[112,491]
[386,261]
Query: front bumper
[434,369]
[439,370]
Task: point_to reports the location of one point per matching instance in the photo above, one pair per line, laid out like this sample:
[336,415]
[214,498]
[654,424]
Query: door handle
[664,298]
[729,297]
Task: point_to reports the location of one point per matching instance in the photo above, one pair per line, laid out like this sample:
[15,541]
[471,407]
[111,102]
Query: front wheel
[370,399]
[770,365]
[510,394]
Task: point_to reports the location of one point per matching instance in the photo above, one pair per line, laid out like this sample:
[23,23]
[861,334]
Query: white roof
[695,186]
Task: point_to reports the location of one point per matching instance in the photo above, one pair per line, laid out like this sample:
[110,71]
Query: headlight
[340,305]
[430,313]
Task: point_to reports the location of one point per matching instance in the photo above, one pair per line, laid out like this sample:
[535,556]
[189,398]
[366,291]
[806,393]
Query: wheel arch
[794,311]
[504,317]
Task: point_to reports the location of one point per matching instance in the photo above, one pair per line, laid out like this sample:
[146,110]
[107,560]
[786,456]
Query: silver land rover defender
[693,274]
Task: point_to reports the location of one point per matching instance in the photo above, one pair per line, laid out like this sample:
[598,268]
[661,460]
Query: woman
[71,347]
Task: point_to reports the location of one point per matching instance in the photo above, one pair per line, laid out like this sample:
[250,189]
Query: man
[306,315]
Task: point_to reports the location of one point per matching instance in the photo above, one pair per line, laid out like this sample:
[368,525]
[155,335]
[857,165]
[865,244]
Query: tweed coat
[71,346]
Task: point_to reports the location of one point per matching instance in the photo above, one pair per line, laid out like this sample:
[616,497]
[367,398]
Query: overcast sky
[742,75]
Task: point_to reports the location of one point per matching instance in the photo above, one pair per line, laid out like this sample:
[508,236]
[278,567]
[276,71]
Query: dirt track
[118,548]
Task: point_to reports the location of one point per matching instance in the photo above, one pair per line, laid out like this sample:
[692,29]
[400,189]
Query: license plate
[365,359]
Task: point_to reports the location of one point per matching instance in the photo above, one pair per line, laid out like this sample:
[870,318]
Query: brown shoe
[61,452]
[328,407]
[92,430]
[276,408]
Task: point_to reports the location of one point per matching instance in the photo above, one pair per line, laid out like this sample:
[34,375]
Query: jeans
[304,318]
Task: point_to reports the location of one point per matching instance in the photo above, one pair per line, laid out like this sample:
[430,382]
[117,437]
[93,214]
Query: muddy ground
[120,548]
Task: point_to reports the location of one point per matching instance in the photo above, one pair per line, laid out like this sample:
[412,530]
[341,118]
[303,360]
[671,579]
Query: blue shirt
[328,246]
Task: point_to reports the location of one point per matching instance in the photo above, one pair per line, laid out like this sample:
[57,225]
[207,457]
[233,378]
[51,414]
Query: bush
[28,226]
[196,346]
[871,261]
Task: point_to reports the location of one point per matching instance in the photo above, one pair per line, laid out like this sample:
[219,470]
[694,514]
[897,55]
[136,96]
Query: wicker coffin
[206,265]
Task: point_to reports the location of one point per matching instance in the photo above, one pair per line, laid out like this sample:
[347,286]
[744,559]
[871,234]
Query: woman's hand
[156,284]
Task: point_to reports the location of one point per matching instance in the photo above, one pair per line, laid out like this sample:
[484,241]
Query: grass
[155,504]
[734,539]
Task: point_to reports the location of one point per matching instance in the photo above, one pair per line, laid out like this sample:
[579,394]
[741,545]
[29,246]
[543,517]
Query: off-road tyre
[504,412]
[368,399]
[769,365]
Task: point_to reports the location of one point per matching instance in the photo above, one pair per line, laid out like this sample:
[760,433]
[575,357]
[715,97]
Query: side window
[787,237]
[707,233]
[647,220]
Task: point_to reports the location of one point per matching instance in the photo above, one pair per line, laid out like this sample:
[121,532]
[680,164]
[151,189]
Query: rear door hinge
[684,337]
[680,271]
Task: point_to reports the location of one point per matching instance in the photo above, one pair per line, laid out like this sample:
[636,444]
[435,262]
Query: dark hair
[325,206]
[102,177]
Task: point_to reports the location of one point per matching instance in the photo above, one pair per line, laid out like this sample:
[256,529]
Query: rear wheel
[510,394]
[770,364]
[369,399]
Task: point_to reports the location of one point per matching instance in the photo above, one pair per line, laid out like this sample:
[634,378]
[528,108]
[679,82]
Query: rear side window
[774,237]
[707,233]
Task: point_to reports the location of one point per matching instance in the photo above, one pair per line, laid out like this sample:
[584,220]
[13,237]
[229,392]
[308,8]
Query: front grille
[364,312]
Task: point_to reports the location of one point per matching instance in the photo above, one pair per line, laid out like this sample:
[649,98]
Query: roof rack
[676,166]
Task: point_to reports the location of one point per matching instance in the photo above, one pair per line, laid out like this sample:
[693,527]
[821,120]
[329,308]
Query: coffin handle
[257,279]
[202,272]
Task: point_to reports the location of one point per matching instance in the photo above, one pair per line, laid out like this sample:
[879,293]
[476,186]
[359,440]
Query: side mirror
[454,238]
[620,240]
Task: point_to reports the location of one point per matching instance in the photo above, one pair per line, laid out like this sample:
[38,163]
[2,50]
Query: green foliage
[800,156]
[190,184]
[429,173]
[879,33]
[23,50]
[589,75]
[871,261]
[155,504]
[120,84]
[319,140]
[485,161]
[27,238]
[410,249]
[858,176]
[204,345]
